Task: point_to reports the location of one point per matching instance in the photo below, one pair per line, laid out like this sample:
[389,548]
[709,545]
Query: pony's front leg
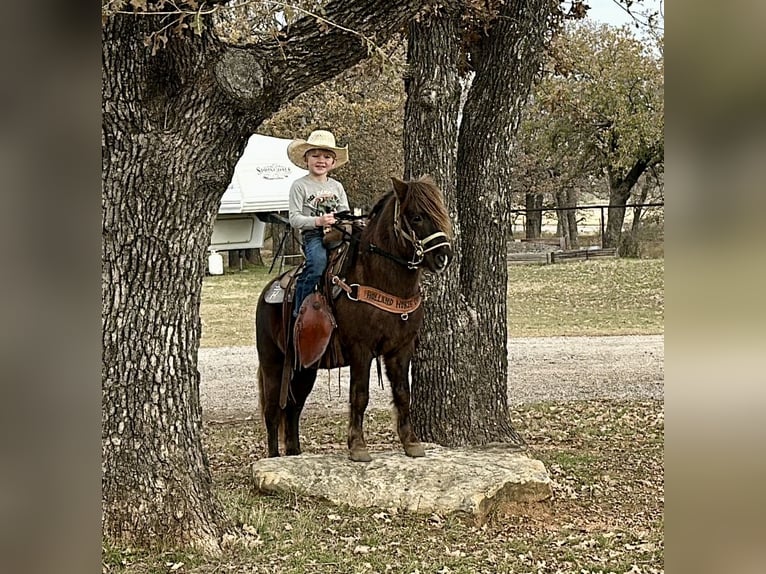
[359,395]
[397,370]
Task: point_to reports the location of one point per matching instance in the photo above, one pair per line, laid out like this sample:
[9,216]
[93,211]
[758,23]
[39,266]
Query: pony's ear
[400,188]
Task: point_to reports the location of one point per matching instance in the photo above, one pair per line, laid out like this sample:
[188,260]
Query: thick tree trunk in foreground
[490,118]
[461,365]
[173,127]
[155,485]
[162,174]
[430,147]
[253,256]
[238,257]
[571,219]
[638,212]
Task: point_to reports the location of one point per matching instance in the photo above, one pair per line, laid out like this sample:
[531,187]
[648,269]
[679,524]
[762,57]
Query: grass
[228,306]
[595,297]
[606,514]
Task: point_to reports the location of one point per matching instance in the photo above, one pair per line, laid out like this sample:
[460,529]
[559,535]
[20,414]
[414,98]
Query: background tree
[599,112]
[551,161]
[647,225]
[178,104]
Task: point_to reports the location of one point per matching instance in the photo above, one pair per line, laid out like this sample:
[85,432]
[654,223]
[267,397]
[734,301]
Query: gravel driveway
[544,368]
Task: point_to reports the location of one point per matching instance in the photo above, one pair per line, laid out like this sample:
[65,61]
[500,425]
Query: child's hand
[324,220]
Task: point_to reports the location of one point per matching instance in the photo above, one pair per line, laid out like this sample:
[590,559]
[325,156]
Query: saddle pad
[275,295]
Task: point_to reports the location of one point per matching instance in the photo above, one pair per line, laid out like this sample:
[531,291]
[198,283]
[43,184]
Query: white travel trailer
[260,186]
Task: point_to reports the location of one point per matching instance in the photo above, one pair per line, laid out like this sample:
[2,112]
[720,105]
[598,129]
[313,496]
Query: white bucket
[215,263]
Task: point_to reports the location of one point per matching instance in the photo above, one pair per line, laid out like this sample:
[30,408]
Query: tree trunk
[234,258]
[157,216]
[567,218]
[430,147]
[469,349]
[485,144]
[639,211]
[253,256]
[620,187]
[534,205]
[156,486]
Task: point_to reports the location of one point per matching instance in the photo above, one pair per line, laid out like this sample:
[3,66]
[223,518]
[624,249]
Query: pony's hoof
[359,455]
[414,450]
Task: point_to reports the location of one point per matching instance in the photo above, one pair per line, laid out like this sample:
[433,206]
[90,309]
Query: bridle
[381,299]
[420,246]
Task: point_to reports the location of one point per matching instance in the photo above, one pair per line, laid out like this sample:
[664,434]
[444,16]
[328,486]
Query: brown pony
[407,231]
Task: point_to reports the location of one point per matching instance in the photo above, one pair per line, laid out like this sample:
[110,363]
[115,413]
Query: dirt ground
[540,369]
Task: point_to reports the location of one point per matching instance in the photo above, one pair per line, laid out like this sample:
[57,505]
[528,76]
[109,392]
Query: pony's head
[421,220]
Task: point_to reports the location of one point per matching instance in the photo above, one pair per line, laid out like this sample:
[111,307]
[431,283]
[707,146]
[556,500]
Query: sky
[608,12]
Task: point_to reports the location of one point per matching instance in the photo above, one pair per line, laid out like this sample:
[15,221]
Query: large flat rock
[470,480]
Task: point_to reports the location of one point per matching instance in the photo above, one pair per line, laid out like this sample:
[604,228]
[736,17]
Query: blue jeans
[316,261]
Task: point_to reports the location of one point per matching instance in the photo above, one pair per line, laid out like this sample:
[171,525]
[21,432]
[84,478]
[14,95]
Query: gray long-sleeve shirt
[309,199]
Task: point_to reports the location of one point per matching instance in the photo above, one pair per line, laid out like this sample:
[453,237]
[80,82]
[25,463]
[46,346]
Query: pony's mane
[424,195]
[380,204]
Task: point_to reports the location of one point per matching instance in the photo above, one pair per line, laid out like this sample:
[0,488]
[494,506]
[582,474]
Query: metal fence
[600,208]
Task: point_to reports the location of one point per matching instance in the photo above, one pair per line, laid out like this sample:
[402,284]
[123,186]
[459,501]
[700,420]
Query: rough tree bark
[430,147]
[472,407]
[161,177]
[173,127]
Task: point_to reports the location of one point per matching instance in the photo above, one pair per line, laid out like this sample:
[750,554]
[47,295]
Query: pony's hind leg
[397,368]
[302,383]
[268,389]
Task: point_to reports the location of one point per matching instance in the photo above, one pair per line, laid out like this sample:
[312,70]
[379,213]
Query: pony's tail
[261,396]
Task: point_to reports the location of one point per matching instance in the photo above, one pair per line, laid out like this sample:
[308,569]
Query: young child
[314,200]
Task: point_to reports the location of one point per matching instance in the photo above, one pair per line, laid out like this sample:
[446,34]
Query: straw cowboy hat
[318,139]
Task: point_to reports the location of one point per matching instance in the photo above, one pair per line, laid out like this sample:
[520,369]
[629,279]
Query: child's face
[320,161]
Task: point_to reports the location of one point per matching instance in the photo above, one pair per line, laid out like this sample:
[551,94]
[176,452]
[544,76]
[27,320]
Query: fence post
[602,228]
